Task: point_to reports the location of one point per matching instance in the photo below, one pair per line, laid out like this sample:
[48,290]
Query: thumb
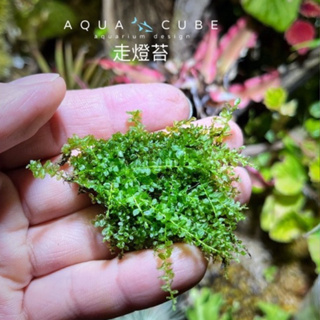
[26,105]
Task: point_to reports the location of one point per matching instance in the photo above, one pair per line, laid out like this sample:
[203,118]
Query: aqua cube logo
[141,50]
[142,26]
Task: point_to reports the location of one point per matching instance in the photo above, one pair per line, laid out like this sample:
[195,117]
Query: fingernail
[37,78]
[190,109]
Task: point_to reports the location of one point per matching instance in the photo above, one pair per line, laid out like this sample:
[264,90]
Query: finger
[26,106]
[14,265]
[244,185]
[100,112]
[106,289]
[66,241]
[14,260]
[48,199]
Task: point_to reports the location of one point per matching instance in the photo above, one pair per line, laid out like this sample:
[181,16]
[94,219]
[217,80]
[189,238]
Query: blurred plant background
[267,53]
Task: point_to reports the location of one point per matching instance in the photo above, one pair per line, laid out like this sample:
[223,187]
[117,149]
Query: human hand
[53,263]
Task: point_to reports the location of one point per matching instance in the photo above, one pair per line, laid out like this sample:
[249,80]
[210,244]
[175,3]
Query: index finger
[100,112]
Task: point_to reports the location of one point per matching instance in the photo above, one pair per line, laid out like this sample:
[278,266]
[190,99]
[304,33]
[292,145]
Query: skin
[53,264]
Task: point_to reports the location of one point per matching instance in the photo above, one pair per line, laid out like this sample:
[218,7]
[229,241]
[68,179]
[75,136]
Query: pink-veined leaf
[202,48]
[255,88]
[209,54]
[220,95]
[252,89]
[186,75]
[234,44]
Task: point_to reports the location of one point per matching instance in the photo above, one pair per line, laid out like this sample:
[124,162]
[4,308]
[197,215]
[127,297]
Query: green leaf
[314,110]
[273,311]
[314,249]
[277,207]
[313,127]
[289,175]
[314,170]
[291,227]
[289,109]
[278,14]
[206,306]
[275,98]
[237,102]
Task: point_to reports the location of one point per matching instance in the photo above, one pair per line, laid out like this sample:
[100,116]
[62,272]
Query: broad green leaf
[275,98]
[315,110]
[314,170]
[273,311]
[206,306]
[289,144]
[267,220]
[314,249]
[278,14]
[311,148]
[277,207]
[292,226]
[313,127]
[289,175]
[289,109]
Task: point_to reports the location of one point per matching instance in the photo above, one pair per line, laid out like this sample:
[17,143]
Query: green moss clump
[159,188]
